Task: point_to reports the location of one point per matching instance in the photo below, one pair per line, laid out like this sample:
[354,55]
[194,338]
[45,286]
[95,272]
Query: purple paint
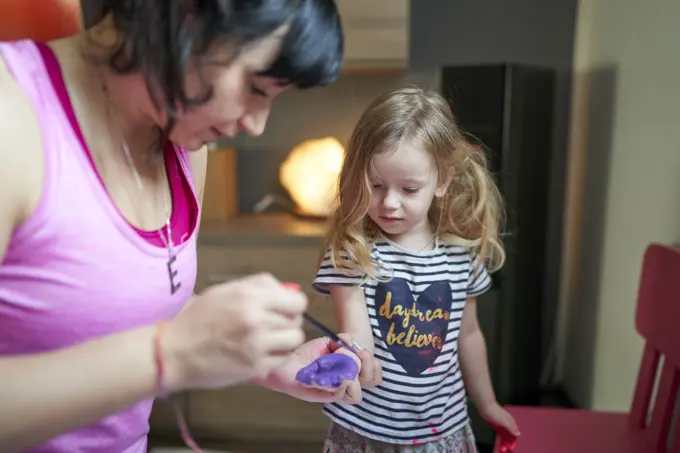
[329,371]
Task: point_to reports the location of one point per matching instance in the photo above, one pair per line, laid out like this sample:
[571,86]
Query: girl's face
[404,184]
[241,98]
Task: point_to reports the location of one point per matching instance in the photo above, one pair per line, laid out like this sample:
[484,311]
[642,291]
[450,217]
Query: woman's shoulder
[20,148]
[17,113]
[198,163]
[19,58]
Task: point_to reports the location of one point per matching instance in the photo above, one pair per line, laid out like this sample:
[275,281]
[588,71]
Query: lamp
[310,175]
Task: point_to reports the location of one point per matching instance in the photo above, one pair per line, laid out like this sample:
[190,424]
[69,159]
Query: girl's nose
[391,200]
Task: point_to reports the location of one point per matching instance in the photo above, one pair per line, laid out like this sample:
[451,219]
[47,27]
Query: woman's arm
[351,313]
[44,395]
[473,359]
[237,331]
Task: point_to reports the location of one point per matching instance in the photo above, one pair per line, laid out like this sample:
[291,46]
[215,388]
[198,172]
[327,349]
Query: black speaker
[508,109]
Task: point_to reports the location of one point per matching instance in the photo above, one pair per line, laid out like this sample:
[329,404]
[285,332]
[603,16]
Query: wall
[623,188]
[534,32]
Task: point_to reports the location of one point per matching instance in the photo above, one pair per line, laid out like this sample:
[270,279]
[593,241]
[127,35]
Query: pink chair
[547,430]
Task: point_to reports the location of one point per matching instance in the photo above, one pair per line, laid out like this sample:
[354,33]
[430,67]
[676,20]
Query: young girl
[410,242]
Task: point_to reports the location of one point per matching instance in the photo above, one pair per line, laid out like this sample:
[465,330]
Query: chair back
[658,321]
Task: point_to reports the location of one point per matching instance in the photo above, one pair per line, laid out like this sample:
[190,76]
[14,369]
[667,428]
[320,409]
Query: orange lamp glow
[39,20]
[310,175]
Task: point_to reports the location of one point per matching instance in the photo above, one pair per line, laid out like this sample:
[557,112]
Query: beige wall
[624,187]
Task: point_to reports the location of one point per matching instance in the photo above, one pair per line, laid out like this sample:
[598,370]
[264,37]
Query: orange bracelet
[160,388]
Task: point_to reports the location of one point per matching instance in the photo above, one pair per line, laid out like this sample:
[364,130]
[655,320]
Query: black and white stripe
[408,408]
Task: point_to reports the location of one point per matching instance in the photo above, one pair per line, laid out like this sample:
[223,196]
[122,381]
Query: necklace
[166,238]
[175,284]
[432,242]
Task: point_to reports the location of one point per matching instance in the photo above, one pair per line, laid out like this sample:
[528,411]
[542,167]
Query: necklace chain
[167,199]
[432,242]
[173,277]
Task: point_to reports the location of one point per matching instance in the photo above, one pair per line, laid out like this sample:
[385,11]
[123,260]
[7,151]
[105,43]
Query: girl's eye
[410,190]
[377,186]
[258,92]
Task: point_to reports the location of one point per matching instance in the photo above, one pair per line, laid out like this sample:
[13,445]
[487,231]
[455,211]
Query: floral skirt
[343,440]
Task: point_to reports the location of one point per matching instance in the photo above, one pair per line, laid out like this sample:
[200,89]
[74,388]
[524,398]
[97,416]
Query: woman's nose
[254,122]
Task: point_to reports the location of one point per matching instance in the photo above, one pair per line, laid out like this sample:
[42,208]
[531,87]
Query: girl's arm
[473,359]
[351,313]
[475,368]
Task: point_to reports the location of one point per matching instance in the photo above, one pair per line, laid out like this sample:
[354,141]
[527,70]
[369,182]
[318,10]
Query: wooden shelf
[278,229]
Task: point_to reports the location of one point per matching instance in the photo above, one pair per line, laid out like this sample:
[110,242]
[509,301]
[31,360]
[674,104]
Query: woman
[103,148]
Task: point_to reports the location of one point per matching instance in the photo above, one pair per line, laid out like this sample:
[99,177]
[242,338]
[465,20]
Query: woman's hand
[233,332]
[283,379]
[229,334]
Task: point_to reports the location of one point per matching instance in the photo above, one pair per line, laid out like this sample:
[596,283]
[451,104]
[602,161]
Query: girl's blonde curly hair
[469,214]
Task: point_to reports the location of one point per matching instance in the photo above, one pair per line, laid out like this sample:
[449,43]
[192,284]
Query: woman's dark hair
[160,38]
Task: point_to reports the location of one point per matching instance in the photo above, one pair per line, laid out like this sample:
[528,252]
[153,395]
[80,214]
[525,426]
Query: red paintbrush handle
[292,286]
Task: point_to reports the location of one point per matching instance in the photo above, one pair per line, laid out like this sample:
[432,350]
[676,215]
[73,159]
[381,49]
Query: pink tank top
[76,269]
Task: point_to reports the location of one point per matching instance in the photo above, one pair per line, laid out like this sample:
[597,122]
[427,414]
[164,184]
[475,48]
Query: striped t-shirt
[416,318]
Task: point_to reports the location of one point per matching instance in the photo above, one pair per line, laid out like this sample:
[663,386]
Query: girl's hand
[353,389]
[233,332]
[371,370]
[498,417]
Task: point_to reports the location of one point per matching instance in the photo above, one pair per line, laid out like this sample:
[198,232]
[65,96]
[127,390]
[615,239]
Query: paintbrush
[328,332]
[319,326]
